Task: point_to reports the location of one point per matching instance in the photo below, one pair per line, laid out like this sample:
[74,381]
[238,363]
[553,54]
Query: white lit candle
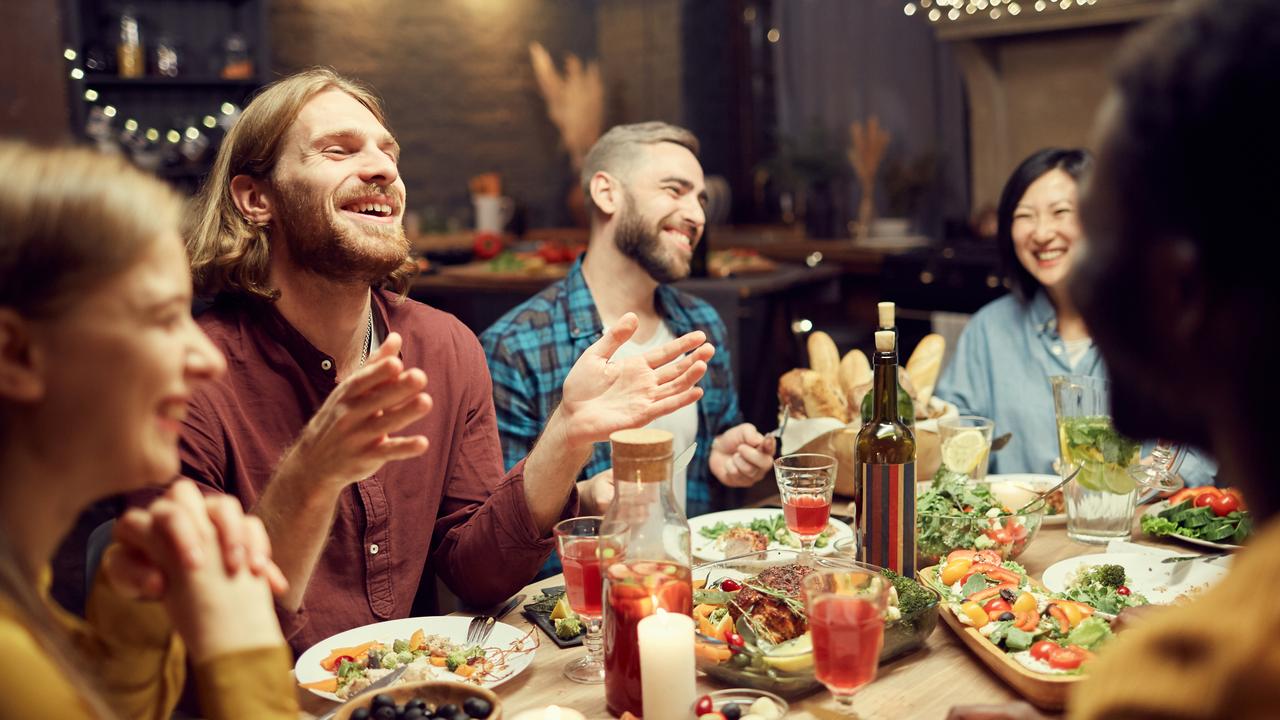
[667,673]
[553,712]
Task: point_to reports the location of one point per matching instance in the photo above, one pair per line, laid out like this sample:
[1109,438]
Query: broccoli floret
[456,658]
[1107,575]
[568,628]
[390,661]
[912,597]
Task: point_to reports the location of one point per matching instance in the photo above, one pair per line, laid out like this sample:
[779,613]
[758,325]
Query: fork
[781,427]
[481,625]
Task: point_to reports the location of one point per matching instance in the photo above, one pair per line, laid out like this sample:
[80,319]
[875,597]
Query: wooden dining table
[924,684]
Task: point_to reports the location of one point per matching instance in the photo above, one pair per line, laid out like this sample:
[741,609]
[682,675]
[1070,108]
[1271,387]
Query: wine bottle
[885,466]
[906,406]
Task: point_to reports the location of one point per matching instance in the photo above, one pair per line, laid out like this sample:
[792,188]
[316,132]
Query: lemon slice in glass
[964,451]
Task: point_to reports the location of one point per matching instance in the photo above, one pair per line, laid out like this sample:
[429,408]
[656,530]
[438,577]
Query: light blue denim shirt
[1001,370]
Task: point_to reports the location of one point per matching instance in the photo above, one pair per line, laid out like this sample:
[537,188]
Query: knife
[683,459]
[383,682]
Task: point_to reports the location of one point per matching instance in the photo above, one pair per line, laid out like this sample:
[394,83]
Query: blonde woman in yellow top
[98,356]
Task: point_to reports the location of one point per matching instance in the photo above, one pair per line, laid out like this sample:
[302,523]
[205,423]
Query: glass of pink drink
[805,481]
[582,550]
[846,608]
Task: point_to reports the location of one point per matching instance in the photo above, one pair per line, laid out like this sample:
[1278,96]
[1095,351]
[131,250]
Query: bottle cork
[886,310]
[884,340]
[641,455]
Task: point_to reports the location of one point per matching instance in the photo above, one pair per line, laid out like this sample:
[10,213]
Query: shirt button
[326,364]
[1057,349]
[373,549]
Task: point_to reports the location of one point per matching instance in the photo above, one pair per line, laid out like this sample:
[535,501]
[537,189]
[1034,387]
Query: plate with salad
[434,648]
[720,535]
[1037,640]
[1206,516]
[1111,582]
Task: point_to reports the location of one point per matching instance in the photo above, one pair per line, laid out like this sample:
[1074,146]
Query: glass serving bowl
[787,667]
[1009,535]
[744,698]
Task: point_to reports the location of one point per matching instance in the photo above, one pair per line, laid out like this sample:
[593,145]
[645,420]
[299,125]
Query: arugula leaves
[1199,522]
[953,495]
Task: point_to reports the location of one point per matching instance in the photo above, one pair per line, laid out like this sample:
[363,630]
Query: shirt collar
[1043,317]
[584,319]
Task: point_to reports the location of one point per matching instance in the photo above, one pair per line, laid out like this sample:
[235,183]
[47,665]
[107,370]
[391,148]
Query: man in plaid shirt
[645,190]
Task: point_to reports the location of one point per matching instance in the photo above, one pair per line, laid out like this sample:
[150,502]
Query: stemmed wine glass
[1161,473]
[584,550]
[846,607]
[806,481]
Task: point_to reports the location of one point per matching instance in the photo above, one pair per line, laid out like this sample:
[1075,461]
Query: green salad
[953,494]
[774,528]
[1202,523]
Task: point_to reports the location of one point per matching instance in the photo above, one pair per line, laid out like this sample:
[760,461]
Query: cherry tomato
[1224,504]
[704,705]
[730,585]
[997,605]
[1205,499]
[1065,658]
[1239,496]
[734,639]
[1043,649]
[1122,590]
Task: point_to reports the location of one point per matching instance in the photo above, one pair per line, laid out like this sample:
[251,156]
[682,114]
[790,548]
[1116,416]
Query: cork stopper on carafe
[886,314]
[884,340]
[641,455]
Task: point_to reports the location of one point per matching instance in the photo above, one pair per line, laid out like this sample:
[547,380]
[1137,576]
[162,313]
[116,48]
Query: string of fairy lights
[953,10]
[223,115]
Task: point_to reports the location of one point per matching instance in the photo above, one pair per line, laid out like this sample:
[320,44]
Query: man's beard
[643,244]
[319,243]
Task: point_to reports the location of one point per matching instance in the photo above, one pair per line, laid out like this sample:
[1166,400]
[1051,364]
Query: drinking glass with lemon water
[1101,500]
[966,444]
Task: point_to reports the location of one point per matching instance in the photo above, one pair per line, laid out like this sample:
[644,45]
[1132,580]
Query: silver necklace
[368,339]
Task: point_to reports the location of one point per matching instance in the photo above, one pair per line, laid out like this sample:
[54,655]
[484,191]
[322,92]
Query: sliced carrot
[356,651]
[711,653]
[326,685]
[438,660]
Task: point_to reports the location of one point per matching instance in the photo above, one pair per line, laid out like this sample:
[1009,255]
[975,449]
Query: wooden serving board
[1048,692]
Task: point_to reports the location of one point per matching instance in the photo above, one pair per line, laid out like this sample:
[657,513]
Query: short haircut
[1191,135]
[617,150]
[1075,162]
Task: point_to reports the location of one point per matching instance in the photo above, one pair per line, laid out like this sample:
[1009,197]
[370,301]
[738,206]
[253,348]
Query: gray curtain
[838,61]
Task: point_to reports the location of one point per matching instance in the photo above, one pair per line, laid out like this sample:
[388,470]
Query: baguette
[924,365]
[855,373]
[824,358]
[822,399]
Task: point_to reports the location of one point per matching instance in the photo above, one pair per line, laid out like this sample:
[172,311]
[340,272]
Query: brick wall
[459,90]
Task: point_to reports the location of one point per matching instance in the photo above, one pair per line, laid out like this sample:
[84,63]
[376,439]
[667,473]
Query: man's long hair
[229,253]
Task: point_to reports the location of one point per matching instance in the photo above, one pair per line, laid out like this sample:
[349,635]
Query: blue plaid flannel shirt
[532,348]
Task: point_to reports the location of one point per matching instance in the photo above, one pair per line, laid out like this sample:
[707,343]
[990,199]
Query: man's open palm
[601,396]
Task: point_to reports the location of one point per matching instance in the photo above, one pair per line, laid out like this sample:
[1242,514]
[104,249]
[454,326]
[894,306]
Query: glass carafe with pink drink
[653,572]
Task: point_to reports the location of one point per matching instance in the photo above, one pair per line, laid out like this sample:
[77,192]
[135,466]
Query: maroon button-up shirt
[451,511]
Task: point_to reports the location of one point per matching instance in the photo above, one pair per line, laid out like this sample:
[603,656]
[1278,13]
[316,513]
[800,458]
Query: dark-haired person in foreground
[1013,345]
[1180,268]
[322,425]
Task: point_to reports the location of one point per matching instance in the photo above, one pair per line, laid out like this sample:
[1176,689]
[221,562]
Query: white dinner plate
[706,549]
[1162,583]
[1159,507]
[1017,489]
[503,637]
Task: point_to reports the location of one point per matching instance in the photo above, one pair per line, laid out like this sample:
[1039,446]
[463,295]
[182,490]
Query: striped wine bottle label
[889,516]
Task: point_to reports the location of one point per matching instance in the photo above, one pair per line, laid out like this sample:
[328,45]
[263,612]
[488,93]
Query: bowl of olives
[428,700]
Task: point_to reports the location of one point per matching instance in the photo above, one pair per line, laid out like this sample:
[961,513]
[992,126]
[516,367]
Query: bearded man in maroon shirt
[371,481]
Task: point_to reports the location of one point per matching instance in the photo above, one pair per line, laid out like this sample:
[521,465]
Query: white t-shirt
[1076,350]
[682,424]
